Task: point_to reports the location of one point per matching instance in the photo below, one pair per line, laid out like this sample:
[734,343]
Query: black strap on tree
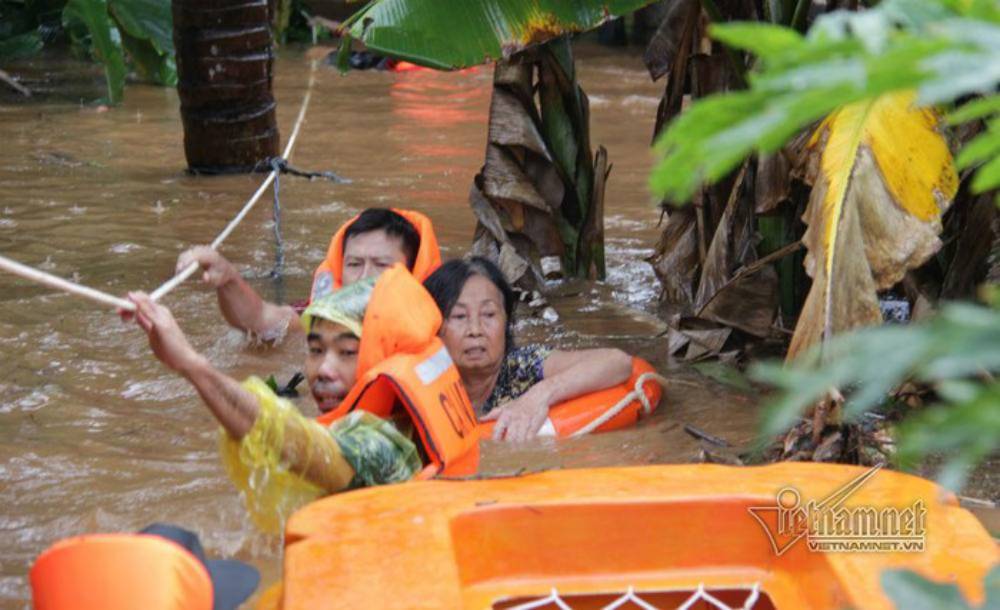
[281,166]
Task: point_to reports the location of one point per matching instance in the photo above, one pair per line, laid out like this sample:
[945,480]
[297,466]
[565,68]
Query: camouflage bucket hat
[346,306]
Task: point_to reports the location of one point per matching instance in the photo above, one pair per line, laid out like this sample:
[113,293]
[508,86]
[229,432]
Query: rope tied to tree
[286,154]
[280,165]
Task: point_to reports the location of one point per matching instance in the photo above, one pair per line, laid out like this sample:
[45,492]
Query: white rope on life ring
[636,393]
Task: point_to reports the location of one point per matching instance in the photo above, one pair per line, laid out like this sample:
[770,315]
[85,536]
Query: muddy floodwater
[96,435]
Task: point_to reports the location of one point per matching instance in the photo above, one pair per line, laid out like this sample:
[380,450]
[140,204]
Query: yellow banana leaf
[882,176]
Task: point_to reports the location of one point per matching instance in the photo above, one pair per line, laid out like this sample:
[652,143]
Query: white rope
[637,393]
[193,267]
[752,598]
[59,283]
[629,596]
[700,594]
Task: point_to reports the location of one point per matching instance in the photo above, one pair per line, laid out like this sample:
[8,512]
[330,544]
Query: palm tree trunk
[224,68]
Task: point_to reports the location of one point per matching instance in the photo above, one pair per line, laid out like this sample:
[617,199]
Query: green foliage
[21,45]
[961,342]
[22,25]
[291,24]
[724,374]
[946,50]
[474,31]
[109,31]
[272,383]
[147,34]
[985,148]
[912,591]
[105,40]
[942,48]
[149,20]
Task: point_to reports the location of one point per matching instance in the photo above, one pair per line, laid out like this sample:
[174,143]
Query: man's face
[331,364]
[369,254]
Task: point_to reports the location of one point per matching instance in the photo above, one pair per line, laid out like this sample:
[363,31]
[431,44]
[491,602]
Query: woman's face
[474,331]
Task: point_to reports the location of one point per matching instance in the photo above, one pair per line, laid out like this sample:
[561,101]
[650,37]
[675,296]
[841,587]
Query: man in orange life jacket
[363,247]
[401,370]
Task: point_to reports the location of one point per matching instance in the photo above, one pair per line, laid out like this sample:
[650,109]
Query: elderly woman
[516,386]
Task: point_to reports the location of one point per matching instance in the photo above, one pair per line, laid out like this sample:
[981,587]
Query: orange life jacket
[402,362]
[329,275]
[119,572]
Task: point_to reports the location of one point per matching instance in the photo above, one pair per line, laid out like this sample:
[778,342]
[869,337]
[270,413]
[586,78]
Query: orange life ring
[602,411]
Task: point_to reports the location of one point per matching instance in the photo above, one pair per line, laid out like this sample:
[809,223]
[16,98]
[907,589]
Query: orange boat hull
[592,535]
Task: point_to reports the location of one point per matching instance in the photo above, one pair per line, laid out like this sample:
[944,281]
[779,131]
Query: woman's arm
[309,452]
[240,304]
[566,375]
[571,374]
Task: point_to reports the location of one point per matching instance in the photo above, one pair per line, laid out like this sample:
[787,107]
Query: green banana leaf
[149,20]
[147,33]
[151,65]
[456,35]
[106,40]
[110,30]
[22,45]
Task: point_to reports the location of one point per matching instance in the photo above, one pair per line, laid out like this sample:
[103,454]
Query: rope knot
[278,164]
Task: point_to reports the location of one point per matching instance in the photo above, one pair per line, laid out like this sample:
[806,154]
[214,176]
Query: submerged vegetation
[125,36]
[856,64]
[879,168]
[882,180]
[117,33]
[847,139]
[830,168]
[846,120]
[539,198]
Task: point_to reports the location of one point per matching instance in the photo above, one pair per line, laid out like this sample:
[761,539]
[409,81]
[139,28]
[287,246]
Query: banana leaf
[456,35]
[147,34]
[883,177]
[22,45]
[105,38]
[146,19]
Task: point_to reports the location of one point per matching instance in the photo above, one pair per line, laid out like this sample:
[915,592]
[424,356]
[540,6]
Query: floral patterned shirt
[521,369]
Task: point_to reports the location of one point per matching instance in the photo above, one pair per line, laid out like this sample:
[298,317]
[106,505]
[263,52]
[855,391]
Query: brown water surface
[95,435]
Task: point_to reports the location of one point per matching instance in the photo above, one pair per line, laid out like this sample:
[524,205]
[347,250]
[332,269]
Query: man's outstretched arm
[241,306]
[236,408]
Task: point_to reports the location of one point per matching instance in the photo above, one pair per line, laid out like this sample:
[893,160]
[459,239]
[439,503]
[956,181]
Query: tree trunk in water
[712,301]
[539,198]
[224,63]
